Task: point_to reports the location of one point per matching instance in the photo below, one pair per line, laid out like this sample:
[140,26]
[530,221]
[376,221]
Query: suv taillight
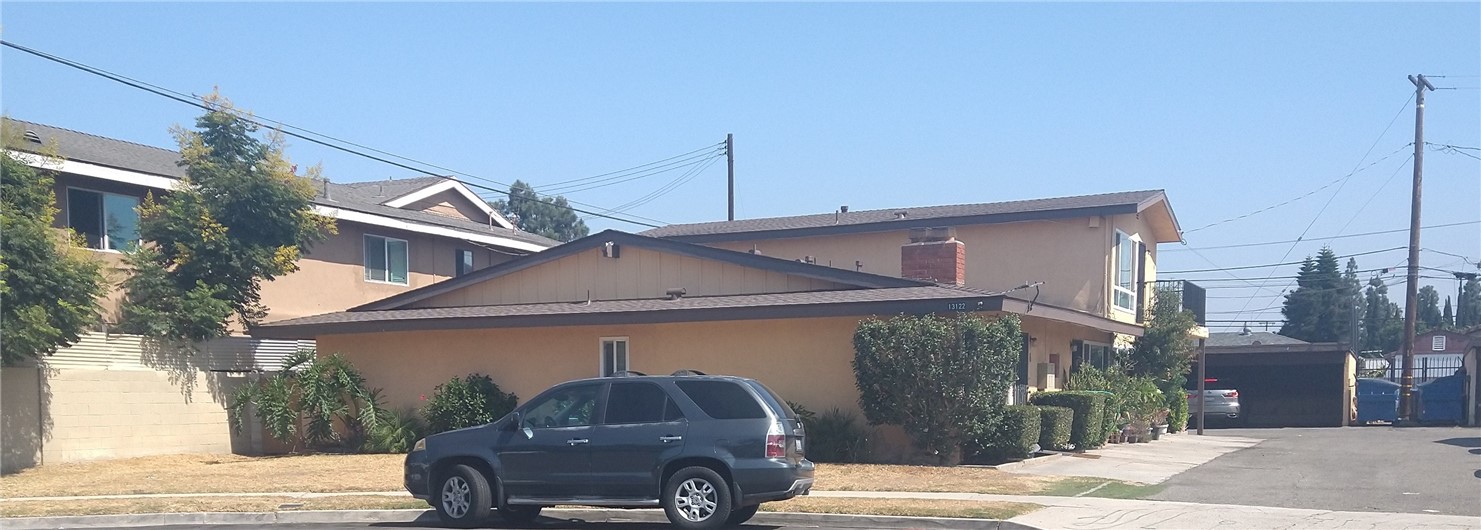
[776,442]
[1232,393]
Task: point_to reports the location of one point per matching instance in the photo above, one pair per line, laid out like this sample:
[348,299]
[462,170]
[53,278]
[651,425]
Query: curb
[430,517]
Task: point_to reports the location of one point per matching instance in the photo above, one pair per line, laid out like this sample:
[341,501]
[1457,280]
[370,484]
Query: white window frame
[602,369]
[1122,239]
[103,233]
[1086,357]
[386,250]
[1437,343]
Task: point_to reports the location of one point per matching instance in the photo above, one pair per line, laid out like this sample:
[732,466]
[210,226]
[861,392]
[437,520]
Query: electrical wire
[621,178]
[303,134]
[1266,243]
[1375,194]
[1278,264]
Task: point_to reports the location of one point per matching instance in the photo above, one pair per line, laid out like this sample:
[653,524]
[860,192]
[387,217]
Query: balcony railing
[1191,297]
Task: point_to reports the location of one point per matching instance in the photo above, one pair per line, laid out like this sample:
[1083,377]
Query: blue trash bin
[1378,400]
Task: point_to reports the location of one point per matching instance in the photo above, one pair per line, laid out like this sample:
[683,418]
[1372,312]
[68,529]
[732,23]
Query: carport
[1288,385]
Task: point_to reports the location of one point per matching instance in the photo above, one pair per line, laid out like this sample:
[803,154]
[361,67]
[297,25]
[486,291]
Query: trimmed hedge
[1054,426]
[1014,435]
[1177,405]
[1087,430]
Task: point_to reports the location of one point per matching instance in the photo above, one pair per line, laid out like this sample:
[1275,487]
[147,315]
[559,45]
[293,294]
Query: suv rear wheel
[464,499]
[697,498]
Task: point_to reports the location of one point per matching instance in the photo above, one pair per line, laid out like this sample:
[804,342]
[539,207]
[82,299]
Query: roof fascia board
[1027,308]
[887,226]
[387,222]
[450,184]
[857,279]
[86,169]
[816,310]
[1161,198]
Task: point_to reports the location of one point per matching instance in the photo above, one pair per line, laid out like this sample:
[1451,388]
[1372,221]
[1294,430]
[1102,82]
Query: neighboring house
[1250,338]
[393,235]
[111,396]
[1287,384]
[1437,353]
[615,301]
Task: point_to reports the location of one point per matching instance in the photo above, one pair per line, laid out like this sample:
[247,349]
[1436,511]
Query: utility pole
[730,173]
[1407,406]
[1202,383]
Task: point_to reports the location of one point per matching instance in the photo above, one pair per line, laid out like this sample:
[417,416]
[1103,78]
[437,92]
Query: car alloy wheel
[456,497]
[696,499]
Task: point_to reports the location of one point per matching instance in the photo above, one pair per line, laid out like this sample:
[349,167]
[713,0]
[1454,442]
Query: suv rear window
[777,404]
[722,400]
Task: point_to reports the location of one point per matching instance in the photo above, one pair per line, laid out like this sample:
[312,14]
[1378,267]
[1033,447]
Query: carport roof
[850,302]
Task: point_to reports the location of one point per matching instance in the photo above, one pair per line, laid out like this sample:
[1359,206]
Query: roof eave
[905,224]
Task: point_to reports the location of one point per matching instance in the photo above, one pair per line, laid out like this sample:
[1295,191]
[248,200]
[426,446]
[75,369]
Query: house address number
[956,306]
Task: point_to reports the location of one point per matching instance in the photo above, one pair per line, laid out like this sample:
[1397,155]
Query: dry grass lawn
[365,473]
[903,507]
[204,473]
[198,504]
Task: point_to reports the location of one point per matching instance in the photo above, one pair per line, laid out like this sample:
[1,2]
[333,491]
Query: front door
[641,429]
[547,456]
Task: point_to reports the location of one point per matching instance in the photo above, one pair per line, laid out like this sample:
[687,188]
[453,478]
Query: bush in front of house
[472,400]
[1177,406]
[396,432]
[1012,437]
[314,402]
[1087,429]
[941,378]
[1054,426]
[836,436]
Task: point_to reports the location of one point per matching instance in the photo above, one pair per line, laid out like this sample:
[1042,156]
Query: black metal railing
[1191,297]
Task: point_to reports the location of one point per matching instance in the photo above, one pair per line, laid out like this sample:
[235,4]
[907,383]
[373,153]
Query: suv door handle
[667,439]
[578,441]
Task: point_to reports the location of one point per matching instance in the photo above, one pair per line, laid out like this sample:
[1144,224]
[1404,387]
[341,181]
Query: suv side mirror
[516,420]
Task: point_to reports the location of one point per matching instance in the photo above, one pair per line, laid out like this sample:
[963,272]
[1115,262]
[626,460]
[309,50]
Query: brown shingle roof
[891,218]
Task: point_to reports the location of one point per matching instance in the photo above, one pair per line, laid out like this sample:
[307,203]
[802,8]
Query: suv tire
[740,515]
[463,498]
[697,498]
[519,514]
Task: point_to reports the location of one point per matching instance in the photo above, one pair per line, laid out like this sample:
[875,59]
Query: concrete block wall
[100,414]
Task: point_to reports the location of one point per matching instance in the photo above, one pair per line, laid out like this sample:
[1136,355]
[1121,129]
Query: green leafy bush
[1087,428]
[314,402]
[943,379]
[836,436]
[1012,436]
[472,400]
[1177,406]
[396,432]
[1054,426]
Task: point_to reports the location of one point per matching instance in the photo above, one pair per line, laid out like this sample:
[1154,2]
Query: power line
[594,177]
[1265,243]
[1375,194]
[620,177]
[1276,264]
[1342,179]
[303,135]
[1466,259]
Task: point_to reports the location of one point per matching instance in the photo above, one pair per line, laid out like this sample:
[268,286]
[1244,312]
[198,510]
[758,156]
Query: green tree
[1447,320]
[240,217]
[1428,312]
[551,217]
[1165,349]
[944,379]
[472,400]
[1468,307]
[1319,310]
[313,402]
[1382,327]
[49,286]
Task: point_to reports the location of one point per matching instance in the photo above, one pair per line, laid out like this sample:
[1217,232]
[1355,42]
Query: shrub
[1087,428]
[1177,405]
[836,436]
[1012,436]
[302,404]
[1054,426]
[472,400]
[943,379]
[396,432]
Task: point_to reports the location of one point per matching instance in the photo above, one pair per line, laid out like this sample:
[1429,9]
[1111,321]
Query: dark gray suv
[708,449]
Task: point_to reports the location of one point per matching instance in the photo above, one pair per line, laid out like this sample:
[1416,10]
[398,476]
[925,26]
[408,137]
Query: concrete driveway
[1435,470]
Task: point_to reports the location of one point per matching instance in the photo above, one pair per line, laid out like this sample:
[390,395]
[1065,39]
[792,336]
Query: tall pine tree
[1382,327]
[1428,311]
[1319,310]
[1468,308]
[1447,320]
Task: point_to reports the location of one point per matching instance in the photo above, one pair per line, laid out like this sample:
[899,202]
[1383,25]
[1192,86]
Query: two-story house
[393,235]
[775,299]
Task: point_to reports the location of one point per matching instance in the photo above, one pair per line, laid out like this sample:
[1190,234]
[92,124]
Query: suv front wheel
[697,498]
[463,499]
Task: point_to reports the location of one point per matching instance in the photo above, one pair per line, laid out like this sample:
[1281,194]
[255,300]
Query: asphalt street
[1433,470]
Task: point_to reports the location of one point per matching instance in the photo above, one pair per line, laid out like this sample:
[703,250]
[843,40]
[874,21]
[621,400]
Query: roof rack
[688,371]
[628,373]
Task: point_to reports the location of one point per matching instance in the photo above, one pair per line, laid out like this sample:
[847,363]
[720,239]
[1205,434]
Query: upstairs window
[107,221]
[385,260]
[1123,290]
[462,262]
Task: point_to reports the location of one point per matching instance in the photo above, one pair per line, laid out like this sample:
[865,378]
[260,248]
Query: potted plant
[1159,423]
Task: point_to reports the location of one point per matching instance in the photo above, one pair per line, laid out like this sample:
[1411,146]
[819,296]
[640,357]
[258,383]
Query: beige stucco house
[775,299]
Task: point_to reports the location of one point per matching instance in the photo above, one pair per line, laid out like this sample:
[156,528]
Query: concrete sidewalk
[1094,513]
[1147,463]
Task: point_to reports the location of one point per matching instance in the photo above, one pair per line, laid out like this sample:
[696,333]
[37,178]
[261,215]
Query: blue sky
[1229,107]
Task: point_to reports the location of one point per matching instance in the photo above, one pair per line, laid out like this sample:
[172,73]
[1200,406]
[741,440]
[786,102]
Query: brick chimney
[934,254]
